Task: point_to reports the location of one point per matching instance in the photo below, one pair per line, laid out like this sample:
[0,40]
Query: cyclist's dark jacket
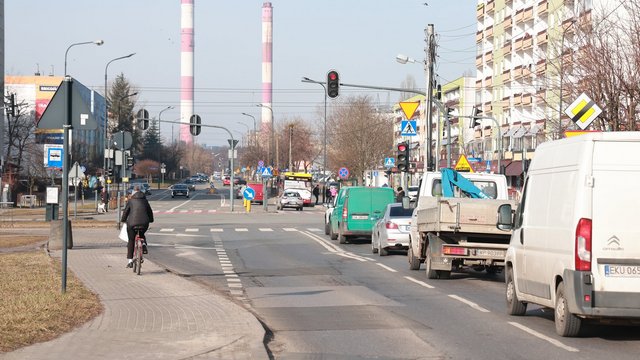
[138,211]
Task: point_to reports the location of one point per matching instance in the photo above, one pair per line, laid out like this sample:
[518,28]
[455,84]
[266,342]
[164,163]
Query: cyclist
[137,214]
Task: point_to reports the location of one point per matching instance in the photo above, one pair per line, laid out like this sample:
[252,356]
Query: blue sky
[359,38]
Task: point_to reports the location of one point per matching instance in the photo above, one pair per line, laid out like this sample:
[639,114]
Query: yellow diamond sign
[409,108]
[583,111]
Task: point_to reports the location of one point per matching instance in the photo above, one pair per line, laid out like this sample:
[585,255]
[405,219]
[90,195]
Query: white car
[391,232]
[327,215]
[305,194]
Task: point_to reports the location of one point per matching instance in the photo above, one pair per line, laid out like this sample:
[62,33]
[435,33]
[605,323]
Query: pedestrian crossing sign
[266,173]
[408,128]
[389,162]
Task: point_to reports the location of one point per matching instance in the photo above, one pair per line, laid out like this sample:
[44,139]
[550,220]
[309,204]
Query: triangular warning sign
[409,108]
[409,129]
[463,165]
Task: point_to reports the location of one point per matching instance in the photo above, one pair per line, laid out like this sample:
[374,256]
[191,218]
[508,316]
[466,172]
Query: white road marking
[184,211]
[289,229]
[265,229]
[421,283]
[314,229]
[544,337]
[470,303]
[197,211]
[233,280]
[241,229]
[386,267]
[234,285]
[216,230]
[166,230]
[191,229]
[211,211]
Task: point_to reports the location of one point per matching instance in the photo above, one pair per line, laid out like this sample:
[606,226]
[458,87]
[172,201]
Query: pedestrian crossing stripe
[408,128]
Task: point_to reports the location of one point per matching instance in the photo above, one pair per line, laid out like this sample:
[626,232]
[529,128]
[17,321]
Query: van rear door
[615,248]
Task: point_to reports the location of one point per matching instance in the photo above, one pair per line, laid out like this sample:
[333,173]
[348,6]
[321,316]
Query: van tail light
[345,209]
[583,245]
[391,225]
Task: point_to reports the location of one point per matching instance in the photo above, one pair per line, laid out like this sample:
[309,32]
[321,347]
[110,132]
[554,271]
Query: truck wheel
[332,235]
[492,270]
[567,324]
[414,262]
[514,306]
[431,274]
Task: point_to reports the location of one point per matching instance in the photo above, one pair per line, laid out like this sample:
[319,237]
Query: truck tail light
[583,245]
[453,250]
[391,225]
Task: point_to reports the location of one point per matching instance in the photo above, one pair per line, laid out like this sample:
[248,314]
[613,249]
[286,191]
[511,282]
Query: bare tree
[359,136]
[303,148]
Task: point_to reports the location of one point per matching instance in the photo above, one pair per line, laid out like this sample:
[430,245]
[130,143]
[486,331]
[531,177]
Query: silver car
[290,198]
[391,231]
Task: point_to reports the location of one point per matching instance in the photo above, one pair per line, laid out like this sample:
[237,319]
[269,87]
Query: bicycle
[137,252]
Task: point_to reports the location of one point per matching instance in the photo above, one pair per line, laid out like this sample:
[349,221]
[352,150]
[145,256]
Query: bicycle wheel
[139,254]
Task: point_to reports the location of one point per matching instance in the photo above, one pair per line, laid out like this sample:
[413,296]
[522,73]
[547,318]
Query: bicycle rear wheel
[138,257]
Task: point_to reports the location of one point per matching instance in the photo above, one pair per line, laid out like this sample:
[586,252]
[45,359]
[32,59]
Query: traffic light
[110,172]
[333,84]
[143,119]
[12,106]
[402,156]
[195,127]
[475,113]
[129,162]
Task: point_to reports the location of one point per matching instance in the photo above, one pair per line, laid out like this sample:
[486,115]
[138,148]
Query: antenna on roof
[37,73]
[51,73]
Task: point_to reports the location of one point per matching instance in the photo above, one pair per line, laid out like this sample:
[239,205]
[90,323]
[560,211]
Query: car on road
[305,194]
[226,181]
[179,190]
[290,199]
[391,232]
[327,215]
[191,184]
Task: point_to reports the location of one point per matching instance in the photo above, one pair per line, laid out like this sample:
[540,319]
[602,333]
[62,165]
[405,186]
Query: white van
[575,245]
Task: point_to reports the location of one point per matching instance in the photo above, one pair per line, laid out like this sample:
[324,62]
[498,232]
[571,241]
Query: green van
[357,208]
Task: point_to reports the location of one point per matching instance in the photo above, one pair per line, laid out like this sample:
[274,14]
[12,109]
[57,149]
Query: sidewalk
[157,315]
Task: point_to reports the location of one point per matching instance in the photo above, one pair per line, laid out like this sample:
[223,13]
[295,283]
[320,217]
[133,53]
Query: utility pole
[430,56]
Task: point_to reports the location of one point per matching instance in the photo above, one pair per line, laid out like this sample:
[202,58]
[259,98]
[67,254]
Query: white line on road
[386,267]
[314,229]
[216,230]
[265,229]
[192,229]
[421,283]
[166,230]
[544,337]
[470,303]
[289,229]
[242,229]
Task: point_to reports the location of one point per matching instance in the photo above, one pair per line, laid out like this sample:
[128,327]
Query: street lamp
[160,119]
[272,142]
[564,31]
[255,131]
[324,160]
[106,109]
[97,42]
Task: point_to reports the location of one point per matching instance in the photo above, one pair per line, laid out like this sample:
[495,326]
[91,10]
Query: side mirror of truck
[505,217]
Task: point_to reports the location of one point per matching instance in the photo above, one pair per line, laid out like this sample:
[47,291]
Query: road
[320,299]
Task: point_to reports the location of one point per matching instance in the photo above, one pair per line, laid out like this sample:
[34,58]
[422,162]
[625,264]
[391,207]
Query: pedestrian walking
[316,192]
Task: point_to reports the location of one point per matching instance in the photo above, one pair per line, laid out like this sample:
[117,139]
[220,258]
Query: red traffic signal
[402,156]
[333,84]
[402,147]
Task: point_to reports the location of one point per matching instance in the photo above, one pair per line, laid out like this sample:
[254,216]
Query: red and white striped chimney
[186,68]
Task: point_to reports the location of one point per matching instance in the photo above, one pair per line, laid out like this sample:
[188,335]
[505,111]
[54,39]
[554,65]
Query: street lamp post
[97,42]
[272,142]
[561,73]
[160,119]
[255,131]
[106,110]
[324,149]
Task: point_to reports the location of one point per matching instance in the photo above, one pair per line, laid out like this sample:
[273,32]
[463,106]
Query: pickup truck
[454,223]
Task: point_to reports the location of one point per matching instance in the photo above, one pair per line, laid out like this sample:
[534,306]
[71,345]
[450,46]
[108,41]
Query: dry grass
[33,309]
[10,240]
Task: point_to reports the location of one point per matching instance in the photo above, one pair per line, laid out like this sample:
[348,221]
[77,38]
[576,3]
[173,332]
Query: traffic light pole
[231,195]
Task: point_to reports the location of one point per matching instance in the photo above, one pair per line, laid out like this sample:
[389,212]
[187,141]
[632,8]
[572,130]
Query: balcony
[479,84]
[478,61]
[479,36]
[527,42]
[506,49]
[487,108]
[488,57]
[541,67]
[542,37]
[517,72]
[528,14]
[526,99]
[489,32]
[488,81]
[517,99]
[543,7]
[491,6]
[480,11]
[507,23]
[506,76]
[519,16]
[518,44]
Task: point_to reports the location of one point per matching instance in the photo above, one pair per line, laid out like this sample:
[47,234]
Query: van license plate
[492,253]
[360,217]
[622,270]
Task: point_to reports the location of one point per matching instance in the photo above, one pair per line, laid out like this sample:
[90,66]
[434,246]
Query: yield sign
[409,108]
